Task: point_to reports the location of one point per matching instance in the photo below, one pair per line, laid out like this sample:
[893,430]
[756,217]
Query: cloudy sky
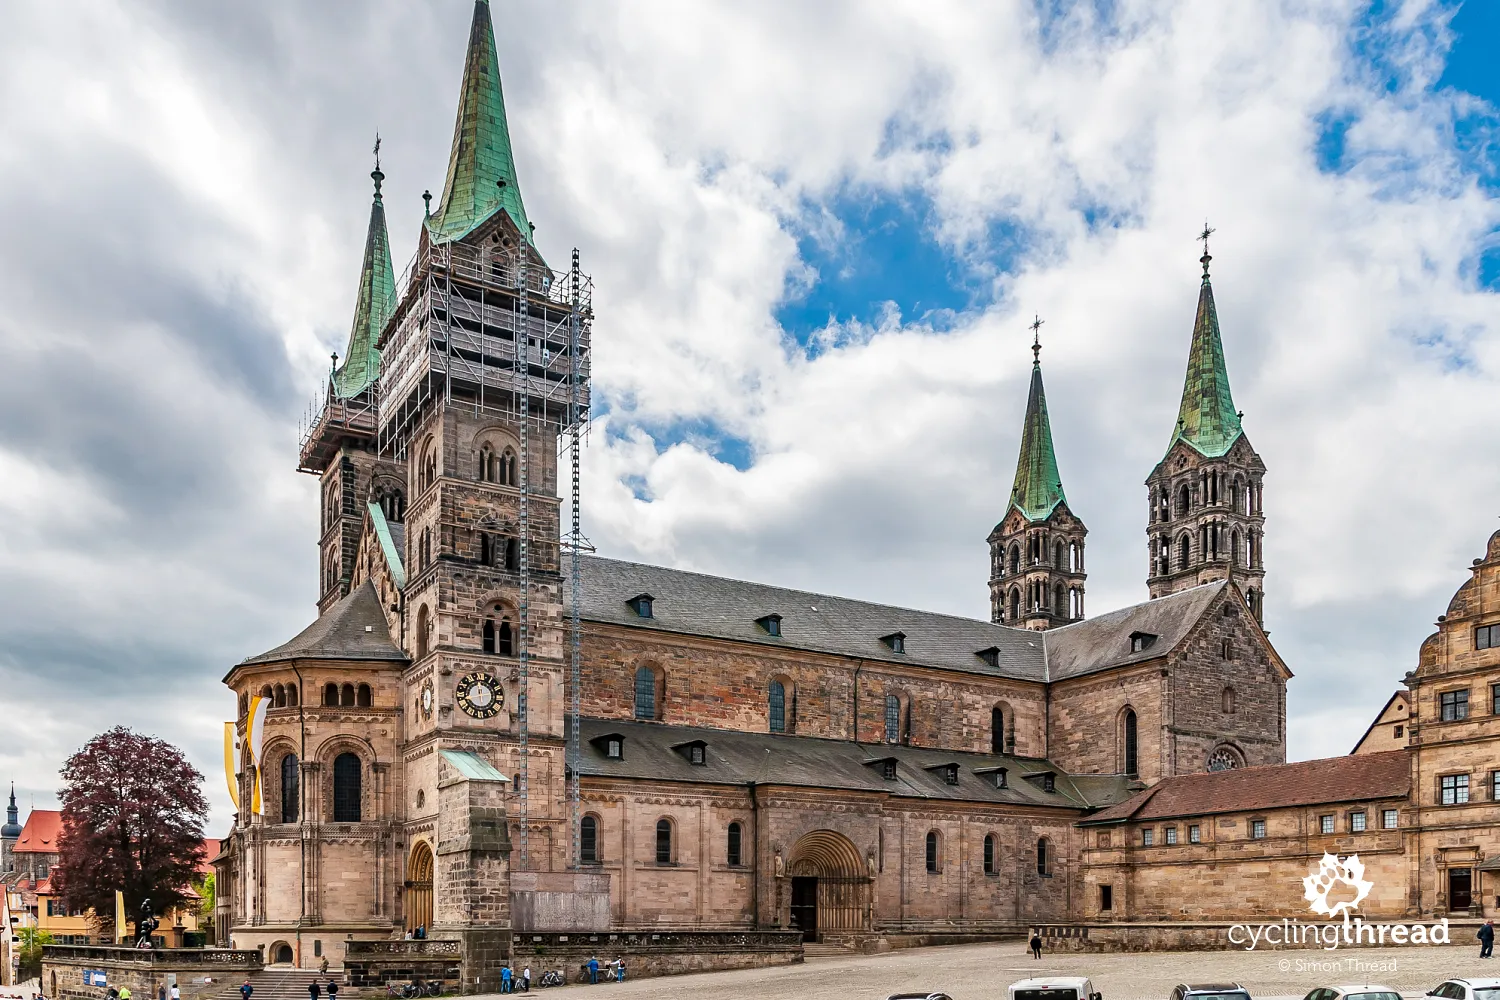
[817,232]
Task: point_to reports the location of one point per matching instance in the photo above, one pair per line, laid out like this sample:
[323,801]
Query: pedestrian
[176,993]
[246,990]
[620,971]
[526,980]
[124,993]
[505,982]
[1487,939]
[323,965]
[161,992]
[593,969]
[1036,944]
[333,990]
[312,990]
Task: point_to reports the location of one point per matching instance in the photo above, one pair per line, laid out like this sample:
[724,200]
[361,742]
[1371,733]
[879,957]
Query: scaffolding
[488,326]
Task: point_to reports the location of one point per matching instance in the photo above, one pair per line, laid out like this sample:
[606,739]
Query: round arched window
[1223,759]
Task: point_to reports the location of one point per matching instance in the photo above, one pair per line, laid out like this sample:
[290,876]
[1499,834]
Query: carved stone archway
[830,885]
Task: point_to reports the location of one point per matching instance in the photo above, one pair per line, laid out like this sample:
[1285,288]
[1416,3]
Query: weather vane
[1036,339]
[1203,236]
[377,150]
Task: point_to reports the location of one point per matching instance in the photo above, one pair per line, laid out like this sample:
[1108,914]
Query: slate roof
[697,604]
[717,607]
[736,758]
[353,629]
[1038,488]
[1355,778]
[1096,643]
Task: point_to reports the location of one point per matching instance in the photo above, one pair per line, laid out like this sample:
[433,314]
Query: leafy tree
[132,819]
[207,899]
[32,939]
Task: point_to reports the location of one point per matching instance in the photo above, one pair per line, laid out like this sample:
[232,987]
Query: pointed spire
[481,169]
[1038,486]
[12,828]
[376,302]
[1207,419]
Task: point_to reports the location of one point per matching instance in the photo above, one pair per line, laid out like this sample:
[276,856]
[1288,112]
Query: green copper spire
[376,302]
[1207,419]
[481,169]
[1038,487]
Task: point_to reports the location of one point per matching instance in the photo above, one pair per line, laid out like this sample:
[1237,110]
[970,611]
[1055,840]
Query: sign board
[94,977]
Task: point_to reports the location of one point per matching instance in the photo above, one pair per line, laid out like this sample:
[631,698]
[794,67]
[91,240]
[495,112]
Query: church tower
[1036,551]
[10,833]
[1206,521]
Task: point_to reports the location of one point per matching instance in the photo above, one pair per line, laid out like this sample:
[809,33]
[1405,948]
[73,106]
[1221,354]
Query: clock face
[479,695]
[427,696]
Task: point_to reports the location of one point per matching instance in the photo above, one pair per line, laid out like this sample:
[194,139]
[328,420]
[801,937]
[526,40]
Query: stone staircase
[285,983]
[820,949]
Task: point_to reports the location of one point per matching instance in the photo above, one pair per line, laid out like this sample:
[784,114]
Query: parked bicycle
[553,977]
[413,989]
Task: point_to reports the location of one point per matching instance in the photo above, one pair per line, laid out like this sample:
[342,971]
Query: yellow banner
[256,734]
[230,759]
[120,931]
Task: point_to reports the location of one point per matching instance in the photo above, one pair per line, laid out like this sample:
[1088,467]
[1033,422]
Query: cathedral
[488,730]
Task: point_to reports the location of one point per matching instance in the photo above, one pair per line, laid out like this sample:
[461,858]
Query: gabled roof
[373,307]
[1402,697]
[1099,643]
[353,629]
[1037,489]
[716,607]
[737,758]
[481,168]
[39,835]
[391,542]
[1332,780]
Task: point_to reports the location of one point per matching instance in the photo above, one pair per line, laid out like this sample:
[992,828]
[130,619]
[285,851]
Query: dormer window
[990,656]
[999,777]
[1049,782]
[612,745]
[772,624]
[950,774]
[641,605]
[695,752]
[1141,641]
[896,640]
[888,770]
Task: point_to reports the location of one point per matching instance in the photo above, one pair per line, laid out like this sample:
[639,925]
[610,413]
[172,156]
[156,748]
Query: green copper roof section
[1207,419]
[481,169]
[376,303]
[1038,487]
[388,545]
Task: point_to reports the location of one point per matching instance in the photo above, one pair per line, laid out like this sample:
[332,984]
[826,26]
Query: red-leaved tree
[132,819]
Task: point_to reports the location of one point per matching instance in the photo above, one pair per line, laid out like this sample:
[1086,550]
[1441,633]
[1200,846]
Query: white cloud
[683,146]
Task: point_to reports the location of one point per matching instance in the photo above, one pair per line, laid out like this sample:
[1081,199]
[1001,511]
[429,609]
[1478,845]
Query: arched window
[346,790]
[1236,550]
[487,466]
[427,468]
[932,850]
[508,470]
[778,707]
[267,695]
[664,842]
[1059,556]
[1043,857]
[365,698]
[512,554]
[1060,600]
[346,695]
[1226,700]
[1223,759]
[486,549]
[997,730]
[424,549]
[734,854]
[1015,603]
[1184,551]
[646,706]
[588,840]
[1015,558]
[278,697]
[989,854]
[1131,746]
[1184,499]
[289,788]
[892,718]
[291,695]
[330,693]
[424,628]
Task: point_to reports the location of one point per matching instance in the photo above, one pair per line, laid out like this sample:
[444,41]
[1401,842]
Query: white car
[1065,988]
[1467,989]
[1364,991]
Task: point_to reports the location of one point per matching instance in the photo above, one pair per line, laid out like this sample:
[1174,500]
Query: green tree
[32,940]
[207,898]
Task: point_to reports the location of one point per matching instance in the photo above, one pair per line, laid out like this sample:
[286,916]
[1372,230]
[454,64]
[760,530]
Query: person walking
[312,990]
[505,980]
[176,993]
[593,969]
[323,965]
[333,990]
[246,990]
[1487,940]
[620,970]
[1036,944]
[526,980]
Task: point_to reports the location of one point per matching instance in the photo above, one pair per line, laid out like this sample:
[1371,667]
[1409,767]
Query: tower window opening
[1015,558]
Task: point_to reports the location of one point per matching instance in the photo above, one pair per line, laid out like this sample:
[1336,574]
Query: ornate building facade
[748,756]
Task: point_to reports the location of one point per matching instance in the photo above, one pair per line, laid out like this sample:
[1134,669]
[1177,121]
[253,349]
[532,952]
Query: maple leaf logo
[1331,872]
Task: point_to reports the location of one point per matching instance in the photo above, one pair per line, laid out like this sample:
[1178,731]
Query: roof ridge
[1139,604]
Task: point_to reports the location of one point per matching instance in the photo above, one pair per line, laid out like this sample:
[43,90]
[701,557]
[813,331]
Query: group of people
[511,982]
[616,971]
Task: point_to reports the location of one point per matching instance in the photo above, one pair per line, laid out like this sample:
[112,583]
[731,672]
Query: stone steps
[278,983]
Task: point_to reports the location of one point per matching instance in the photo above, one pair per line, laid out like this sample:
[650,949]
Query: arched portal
[419,887]
[830,886]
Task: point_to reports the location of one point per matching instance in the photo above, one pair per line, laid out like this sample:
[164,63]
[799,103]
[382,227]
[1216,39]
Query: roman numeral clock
[480,695]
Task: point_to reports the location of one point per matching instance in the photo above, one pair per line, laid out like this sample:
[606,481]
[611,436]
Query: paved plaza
[971,972]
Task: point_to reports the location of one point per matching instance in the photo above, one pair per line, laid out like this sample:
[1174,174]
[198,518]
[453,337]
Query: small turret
[10,833]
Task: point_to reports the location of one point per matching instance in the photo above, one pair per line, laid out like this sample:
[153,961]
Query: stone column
[471,883]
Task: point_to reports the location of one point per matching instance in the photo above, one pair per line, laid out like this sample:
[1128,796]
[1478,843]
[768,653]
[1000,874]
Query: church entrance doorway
[282,955]
[419,887]
[1460,889]
[830,886]
[805,906]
